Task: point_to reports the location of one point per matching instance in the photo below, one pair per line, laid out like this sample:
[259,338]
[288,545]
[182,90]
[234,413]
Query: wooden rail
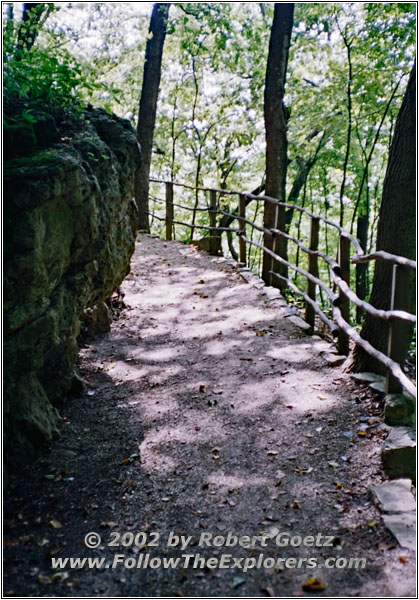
[339,272]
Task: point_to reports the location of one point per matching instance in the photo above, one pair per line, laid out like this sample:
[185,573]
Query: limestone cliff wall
[69,233]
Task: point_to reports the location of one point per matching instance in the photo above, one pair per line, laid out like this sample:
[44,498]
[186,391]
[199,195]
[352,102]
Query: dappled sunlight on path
[242,421]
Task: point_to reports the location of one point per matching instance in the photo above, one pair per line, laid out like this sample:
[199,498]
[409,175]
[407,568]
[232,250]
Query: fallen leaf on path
[129,460]
[61,576]
[313,585]
[403,559]
[362,433]
[237,581]
[271,533]
[268,591]
[385,546]
[55,524]
[303,470]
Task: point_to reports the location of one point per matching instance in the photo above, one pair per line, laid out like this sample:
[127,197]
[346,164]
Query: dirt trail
[206,410]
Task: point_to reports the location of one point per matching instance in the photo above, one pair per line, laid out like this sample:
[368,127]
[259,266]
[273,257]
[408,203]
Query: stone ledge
[334,360]
[394,497]
[399,409]
[397,502]
[300,323]
[399,453]
[366,377]
[403,527]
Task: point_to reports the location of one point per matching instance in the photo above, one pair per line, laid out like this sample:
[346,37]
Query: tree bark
[349,131]
[148,106]
[361,270]
[396,230]
[276,116]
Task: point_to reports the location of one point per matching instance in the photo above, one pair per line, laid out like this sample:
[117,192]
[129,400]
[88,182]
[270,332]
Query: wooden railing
[340,296]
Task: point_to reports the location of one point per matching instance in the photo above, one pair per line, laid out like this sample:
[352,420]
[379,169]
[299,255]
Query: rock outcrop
[70,224]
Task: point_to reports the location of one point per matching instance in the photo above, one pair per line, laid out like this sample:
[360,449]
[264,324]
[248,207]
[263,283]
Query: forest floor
[206,411]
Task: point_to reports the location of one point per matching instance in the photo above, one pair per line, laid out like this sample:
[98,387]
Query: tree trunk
[361,269]
[348,132]
[148,106]
[276,116]
[396,230]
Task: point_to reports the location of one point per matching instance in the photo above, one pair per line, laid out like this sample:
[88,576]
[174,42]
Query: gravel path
[207,415]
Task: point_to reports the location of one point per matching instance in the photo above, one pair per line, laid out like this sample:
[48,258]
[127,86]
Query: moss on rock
[70,224]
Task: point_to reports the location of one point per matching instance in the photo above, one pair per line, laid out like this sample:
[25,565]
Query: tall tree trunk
[304,168]
[361,270]
[276,116]
[348,132]
[148,106]
[396,229]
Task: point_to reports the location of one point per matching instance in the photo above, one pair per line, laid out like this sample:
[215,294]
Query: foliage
[42,80]
[210,128]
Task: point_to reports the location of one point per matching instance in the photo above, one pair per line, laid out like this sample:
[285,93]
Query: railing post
[313,269]
[345,273]
[396,329]
[242,225]
[280,247]
[213,212]
[169,210]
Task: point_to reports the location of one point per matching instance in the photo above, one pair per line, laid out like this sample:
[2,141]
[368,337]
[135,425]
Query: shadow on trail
[205,411]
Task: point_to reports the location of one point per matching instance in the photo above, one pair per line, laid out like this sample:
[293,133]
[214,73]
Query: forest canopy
[347,71]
